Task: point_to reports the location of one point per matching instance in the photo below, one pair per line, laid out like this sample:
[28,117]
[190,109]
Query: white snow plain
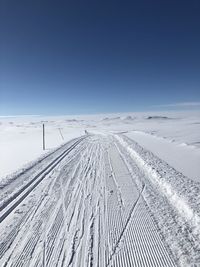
[135,176]
[172,136]
[21,139]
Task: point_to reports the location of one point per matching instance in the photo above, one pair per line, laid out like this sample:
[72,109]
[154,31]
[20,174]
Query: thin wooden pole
[61,133]
[43,131]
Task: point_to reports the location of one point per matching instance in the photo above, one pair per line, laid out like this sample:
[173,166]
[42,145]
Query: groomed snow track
[80,207]
[15,199]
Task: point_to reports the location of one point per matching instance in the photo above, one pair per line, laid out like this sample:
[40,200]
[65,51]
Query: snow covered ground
[172,136]
[124,193]
[182,157]
[21,139]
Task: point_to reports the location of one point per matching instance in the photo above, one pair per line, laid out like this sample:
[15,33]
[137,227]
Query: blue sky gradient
[75,57]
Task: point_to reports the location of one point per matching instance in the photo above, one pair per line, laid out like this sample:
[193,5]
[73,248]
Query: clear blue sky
[73,57]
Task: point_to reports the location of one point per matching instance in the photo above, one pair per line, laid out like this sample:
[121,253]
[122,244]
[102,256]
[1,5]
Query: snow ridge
[178,201]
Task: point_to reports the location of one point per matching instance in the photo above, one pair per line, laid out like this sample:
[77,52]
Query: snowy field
[109,190]
[21,139]
[172,136]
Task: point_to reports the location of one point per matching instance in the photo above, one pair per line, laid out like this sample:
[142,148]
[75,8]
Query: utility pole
[43,134]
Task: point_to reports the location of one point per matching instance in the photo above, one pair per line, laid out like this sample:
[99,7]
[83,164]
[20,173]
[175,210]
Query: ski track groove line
[37,179]
[91,214]
[140,248]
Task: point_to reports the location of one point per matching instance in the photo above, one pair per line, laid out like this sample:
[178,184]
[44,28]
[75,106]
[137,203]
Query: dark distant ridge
[158,117]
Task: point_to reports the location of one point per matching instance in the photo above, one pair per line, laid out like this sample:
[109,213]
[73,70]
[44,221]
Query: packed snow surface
[109,190]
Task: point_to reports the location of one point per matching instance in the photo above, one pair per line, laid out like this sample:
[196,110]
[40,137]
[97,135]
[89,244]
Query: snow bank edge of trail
[165,187]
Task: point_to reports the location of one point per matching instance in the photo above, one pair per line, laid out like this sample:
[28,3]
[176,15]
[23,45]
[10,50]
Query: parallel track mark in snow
[124,228]
[93,215]
[138,242]
[19,196]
